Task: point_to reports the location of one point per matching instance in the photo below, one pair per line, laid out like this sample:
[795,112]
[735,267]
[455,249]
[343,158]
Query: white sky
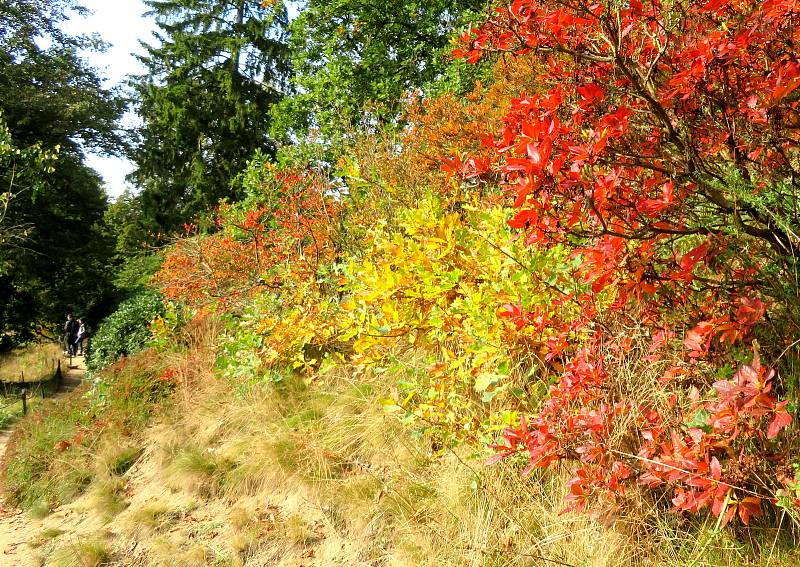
[122,24]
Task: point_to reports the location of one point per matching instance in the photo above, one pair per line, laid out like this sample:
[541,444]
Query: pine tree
[218,68]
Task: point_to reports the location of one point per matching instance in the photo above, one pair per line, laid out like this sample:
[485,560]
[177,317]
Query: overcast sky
[122,24]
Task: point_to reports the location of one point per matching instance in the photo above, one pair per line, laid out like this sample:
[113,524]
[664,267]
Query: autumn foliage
[284,232]
[660,146]
[592,257]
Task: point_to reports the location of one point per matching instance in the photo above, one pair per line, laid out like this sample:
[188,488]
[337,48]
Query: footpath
[17,530]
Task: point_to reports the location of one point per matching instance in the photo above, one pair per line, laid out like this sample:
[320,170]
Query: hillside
[547,317]
[297,474]
[302,476]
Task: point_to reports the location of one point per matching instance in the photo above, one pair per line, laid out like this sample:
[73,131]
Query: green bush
[126,331]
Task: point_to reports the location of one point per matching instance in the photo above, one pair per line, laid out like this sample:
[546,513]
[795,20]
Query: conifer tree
[216,70]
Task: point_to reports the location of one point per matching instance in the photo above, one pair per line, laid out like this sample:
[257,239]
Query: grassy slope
[34,362]
[296,474]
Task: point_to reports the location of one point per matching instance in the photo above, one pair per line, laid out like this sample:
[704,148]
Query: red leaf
[729,513]
[691,258]
[716,469]
[590,94]
[781,420]
[497,458]
[749,507]
[717,507]
[698,339]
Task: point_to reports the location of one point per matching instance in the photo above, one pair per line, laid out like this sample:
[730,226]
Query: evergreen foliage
[214,73]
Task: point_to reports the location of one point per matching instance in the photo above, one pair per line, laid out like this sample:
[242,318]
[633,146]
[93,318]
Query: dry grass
[91,552]
[107,498]
[151,518]
[346,484]
[116,456]
[289,474]
[35,362]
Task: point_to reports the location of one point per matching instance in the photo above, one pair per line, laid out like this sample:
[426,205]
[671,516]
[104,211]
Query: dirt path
[16,528]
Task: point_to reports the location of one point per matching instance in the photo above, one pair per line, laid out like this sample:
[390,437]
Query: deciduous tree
[54,106]
[354,61]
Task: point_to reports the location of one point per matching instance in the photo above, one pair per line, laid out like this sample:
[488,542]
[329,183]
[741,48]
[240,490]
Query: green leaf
[699,420]
[487,380]
[489,395]
[390,406]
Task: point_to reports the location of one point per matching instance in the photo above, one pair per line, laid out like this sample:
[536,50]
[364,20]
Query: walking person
[77,345]
[70,331]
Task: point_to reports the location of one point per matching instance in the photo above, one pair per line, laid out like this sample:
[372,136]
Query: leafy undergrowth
[124,332]
[291,473]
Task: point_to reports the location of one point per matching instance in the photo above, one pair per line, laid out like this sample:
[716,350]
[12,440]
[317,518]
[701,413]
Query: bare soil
[17,530]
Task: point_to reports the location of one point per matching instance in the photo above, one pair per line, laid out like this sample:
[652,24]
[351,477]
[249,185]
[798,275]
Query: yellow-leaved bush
[434,284]
[425,300]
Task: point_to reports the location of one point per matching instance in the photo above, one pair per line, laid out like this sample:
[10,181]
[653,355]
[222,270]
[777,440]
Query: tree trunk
[235,56]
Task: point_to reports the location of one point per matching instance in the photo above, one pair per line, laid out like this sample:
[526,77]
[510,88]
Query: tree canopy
[216,69]
[53,106]
[354,61]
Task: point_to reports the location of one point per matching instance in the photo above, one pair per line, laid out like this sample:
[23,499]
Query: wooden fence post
[24,394]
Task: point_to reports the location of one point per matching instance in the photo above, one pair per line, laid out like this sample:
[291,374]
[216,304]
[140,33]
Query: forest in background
[554,239]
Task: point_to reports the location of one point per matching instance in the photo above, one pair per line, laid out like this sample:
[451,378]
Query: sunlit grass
[35,362]
[82,553]
[107,498]
[153,516]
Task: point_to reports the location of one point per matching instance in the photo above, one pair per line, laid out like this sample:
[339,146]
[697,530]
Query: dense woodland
[554,238]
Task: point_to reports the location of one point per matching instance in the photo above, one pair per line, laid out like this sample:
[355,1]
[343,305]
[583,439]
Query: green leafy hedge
[125,331]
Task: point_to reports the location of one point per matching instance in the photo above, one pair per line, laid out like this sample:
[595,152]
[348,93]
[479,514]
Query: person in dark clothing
[70,332]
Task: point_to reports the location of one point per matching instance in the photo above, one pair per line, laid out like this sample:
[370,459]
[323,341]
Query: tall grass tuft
[82,553]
